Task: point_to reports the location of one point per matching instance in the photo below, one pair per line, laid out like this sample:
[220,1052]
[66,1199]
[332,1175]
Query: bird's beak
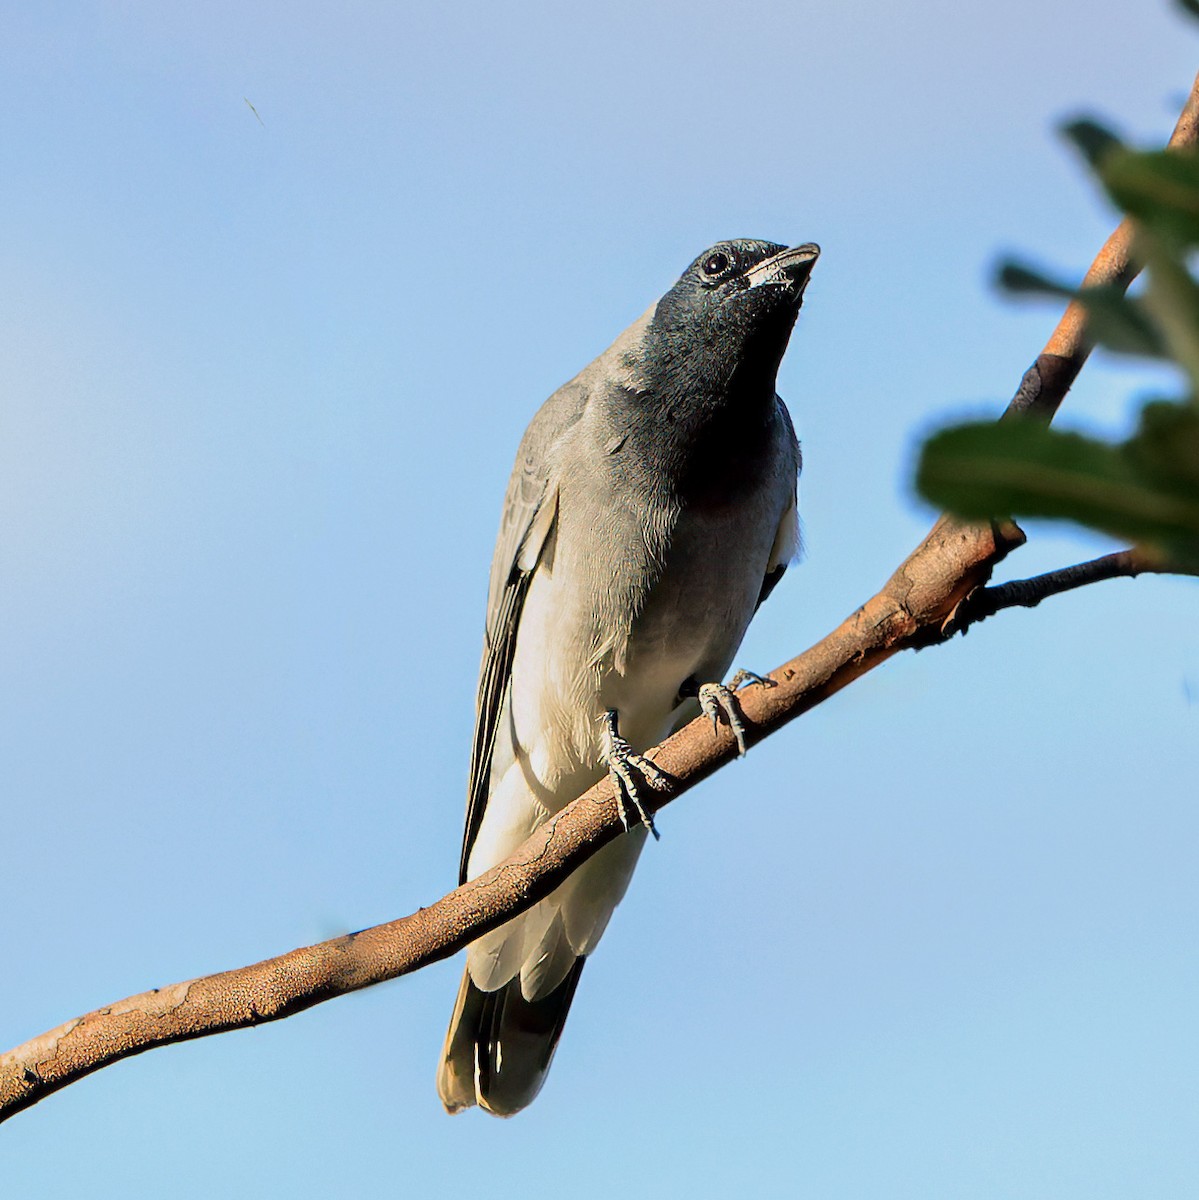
[789,268]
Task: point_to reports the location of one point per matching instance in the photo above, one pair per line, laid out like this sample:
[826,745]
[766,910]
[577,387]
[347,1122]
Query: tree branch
[1028,593]
[915,607]
[1047,381]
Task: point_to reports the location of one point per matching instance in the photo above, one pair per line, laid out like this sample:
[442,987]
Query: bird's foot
[741,677]
[718,700]
[624,765]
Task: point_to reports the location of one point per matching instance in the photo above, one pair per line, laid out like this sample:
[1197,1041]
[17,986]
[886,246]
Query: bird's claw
[624,764]
[717,700]
[741,677]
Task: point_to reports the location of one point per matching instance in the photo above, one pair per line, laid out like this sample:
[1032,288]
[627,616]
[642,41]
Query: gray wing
[526,526]
[786,541]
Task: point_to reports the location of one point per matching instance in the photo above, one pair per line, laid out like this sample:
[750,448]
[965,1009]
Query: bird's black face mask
[726,323]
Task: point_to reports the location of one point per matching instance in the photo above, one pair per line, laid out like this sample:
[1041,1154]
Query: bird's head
[730,315]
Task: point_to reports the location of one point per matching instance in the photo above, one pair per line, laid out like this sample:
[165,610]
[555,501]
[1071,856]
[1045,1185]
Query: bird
[650,511]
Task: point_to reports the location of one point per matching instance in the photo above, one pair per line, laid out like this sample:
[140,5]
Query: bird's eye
[717,263]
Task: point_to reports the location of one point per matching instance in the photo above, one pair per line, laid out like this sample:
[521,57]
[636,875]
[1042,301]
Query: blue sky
[262,384]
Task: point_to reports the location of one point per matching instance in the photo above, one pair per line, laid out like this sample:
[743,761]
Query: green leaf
[1095,141]
[1189,6]
[1025,468]
[1160,189]
[1021,280]
[1172,300]
[1121,323]
[1166,446]
[1117,321]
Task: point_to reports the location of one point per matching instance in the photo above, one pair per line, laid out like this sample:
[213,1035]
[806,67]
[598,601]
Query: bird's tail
[499,1046]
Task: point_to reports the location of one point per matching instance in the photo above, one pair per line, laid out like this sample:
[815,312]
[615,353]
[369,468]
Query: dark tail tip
[500,1045]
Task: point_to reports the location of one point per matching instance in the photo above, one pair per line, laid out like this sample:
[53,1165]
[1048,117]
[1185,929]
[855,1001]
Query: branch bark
[1028,593]
[917,606]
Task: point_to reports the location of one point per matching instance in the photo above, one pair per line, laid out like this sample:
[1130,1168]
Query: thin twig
[916,604]
[1028,593]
